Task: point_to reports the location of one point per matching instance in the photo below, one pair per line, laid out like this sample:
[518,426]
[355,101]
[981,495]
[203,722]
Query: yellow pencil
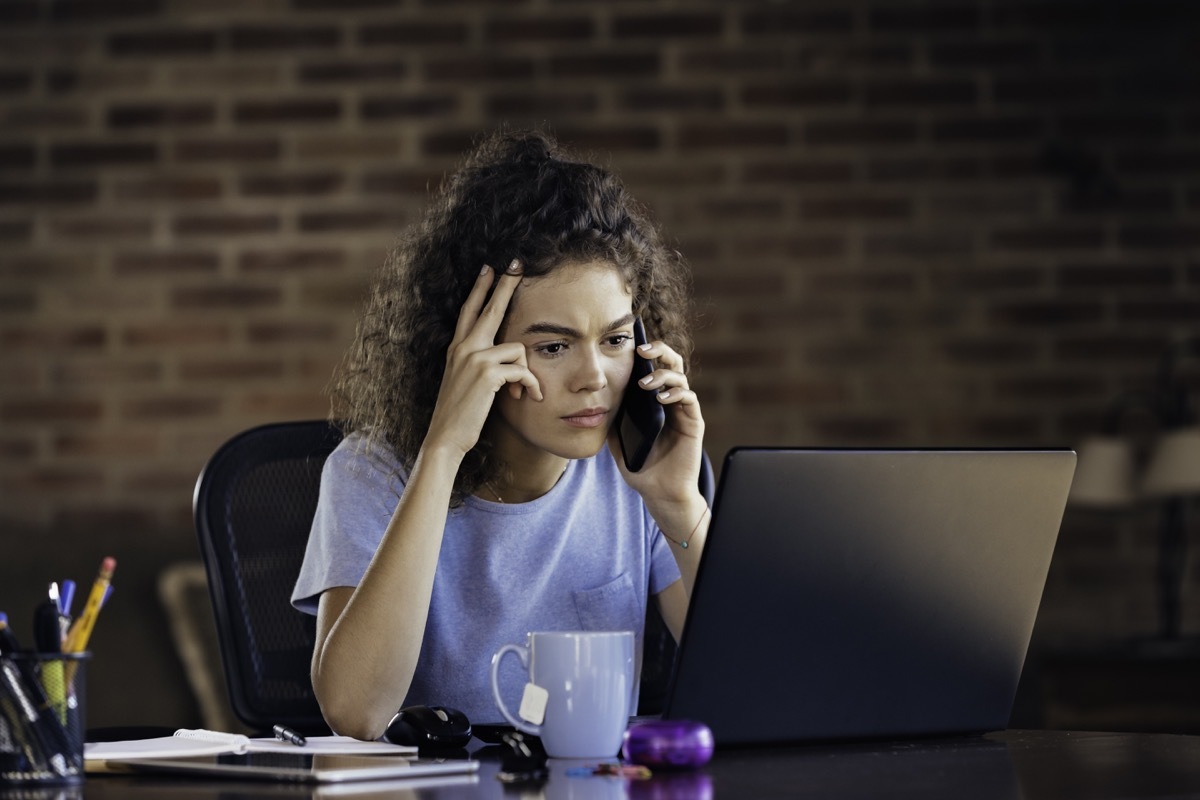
[81,631]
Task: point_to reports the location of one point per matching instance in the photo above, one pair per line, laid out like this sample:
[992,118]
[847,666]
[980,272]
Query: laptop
[857,594]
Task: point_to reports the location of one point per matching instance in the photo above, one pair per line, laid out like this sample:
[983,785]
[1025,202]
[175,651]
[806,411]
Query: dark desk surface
[1010,764]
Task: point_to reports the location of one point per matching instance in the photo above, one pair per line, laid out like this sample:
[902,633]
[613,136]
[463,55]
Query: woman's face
[576,324]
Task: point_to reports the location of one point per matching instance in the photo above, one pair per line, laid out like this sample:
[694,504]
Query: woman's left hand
[669,478]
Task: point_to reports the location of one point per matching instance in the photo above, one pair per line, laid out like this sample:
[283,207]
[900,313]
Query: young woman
[480,493]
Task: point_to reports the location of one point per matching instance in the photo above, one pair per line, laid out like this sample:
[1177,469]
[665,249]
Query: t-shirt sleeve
[663,569]
[359,492]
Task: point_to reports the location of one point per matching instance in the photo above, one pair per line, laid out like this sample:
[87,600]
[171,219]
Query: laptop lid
[868,593]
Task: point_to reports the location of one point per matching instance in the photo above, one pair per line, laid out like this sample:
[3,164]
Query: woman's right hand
[477,367]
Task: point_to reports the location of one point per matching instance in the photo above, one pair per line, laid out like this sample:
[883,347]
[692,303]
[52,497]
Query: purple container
[668,743]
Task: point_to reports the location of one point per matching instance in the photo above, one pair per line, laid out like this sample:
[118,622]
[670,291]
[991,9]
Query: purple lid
[668,743]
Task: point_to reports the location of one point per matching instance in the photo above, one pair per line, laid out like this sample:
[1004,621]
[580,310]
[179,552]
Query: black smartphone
[641,417]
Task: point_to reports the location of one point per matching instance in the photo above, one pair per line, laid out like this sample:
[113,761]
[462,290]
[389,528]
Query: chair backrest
[254,505]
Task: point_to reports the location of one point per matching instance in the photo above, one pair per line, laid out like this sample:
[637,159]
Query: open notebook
[201,742]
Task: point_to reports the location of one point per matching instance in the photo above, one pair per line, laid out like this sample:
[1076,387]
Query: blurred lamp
[1107,476]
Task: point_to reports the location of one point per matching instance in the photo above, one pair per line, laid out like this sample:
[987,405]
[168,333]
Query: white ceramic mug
[587,677]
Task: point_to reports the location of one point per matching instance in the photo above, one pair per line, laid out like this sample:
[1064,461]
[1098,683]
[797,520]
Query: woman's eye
[552,349]
[619,339]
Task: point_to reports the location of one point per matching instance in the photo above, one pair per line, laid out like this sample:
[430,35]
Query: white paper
[200,742]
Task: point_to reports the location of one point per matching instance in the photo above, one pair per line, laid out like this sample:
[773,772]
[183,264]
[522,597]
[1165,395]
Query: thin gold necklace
[488,484]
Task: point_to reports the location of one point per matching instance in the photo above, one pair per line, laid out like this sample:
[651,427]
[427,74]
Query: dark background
[911,223]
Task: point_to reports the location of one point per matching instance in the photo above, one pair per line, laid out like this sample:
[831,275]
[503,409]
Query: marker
[285,734]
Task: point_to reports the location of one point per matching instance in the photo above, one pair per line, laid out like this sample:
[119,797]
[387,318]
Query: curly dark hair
[517,195]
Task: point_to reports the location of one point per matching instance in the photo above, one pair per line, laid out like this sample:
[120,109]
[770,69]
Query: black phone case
[641,417]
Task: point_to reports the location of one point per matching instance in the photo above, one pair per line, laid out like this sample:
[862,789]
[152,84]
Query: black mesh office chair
[254,504]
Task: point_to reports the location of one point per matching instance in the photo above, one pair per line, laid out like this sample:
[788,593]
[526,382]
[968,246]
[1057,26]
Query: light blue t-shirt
[581,557]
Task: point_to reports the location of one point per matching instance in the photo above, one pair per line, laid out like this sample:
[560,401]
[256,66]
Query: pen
[67,596]
[285,734]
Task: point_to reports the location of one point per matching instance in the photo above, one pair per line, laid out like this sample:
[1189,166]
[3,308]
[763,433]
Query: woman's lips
[587,418]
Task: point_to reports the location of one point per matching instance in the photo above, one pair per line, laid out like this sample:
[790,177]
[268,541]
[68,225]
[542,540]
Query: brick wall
[961,222]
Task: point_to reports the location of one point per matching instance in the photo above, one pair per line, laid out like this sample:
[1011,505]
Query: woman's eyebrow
[556,329]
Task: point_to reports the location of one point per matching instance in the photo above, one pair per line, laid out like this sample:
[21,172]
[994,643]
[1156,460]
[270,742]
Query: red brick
[60,480]
[133,263]
[1049,90]
[982,129]
[102,228]
[174,335]
[176,189]
[415,34]
[920,93]
[859,133]
[804,171]
[1113,125]
[46,268]
[741,358]
[849,353]
[169,407]
[732,209]
[286,111]
[538,29]
[343,147]
[919,245]
[989,351]
[230,370]
[1046,313]
[236,149]
[224,224]
[48,192]
[667,26]
[856,207]
[1160,160]
[1050,387]
[92,11]
[732,135]
[290,332]
[611,137]
[161,115]
[809,316]
[106,445]
[50,410]
[1048,238]
[349,220]
[17,301]
[1115,276]
[1180,311]
[15,449]
[343,5]
[484,68]
[767,286]
[1159,236]
[990,279]
[404,181]
[792,392]
[17,155]
[102,154]
[977,55]
[411,106]
[707,60]
[44,118]
[797,19]
[213,297]
[105,372]
[525,102]
[672,100]
[1107,349]
[798,94]
[307,184]
[924,19]
[283,37]
[858,428]
[163,42]
[90,337]
[352,72]
[605,66]
[280,405]
[791,246]
[290,260]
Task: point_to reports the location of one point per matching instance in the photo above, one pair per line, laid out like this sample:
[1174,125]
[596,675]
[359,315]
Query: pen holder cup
[42,702]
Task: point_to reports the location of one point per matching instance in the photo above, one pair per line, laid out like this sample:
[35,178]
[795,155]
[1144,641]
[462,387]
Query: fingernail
[486,269]
[645,347]
[514,267]
[646,380]
[664,395]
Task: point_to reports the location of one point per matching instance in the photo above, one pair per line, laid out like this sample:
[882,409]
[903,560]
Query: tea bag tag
[533,704]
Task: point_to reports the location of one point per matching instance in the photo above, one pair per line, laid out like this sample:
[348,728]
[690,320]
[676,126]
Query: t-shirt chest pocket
[611,607]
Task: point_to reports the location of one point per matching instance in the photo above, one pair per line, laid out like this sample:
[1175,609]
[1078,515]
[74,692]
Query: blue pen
[66,595]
